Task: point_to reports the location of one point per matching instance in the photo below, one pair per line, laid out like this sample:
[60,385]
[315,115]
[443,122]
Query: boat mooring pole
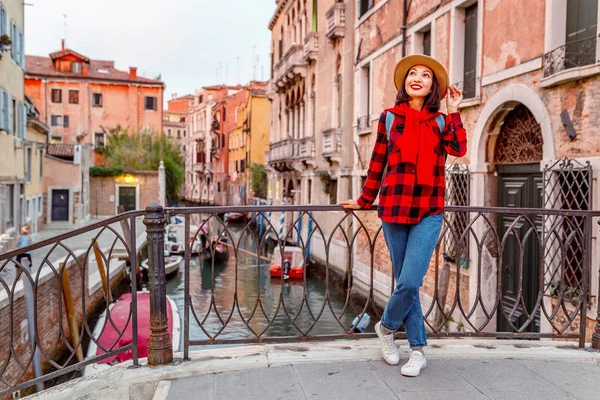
[160,348]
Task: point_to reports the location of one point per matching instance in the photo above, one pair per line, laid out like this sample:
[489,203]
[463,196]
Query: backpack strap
[389,121]
[441,121]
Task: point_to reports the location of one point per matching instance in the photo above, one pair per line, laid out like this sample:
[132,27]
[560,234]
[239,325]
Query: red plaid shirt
[401,199]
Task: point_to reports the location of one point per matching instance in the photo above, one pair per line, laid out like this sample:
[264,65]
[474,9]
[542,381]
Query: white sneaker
[415,364]
[390,352]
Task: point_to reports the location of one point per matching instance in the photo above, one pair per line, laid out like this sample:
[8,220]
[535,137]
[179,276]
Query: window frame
[96,146]
[52,92]
[28,163]
[154,106]
[9,214]
[97,96]
[71,93]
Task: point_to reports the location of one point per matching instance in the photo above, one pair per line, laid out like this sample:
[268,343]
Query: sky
[187,42]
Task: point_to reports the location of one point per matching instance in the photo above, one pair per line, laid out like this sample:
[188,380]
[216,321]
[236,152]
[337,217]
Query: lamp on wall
[128,179]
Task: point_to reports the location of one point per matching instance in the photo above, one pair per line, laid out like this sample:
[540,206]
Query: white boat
[171,263]
[175,237]
[107,336]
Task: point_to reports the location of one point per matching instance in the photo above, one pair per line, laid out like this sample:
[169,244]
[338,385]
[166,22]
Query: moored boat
[291,265]
[171,263]
[107,332]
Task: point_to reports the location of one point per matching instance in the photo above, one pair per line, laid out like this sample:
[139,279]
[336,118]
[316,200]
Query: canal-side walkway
[457,369]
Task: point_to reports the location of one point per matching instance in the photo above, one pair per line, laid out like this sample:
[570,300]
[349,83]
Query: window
[582,27]
[73,96]
[169,132]
[364,6]
[97,100]
[427,42]
[224,114]
[364,122]
[309,191]
[3,20]
[99,140]
[218,186]
[222,140]
[470,60]
[76,67]
[150,103]
[27,209]
[28,165]
[59,120]
[56,139]
[10,206]
[333,191]
[178,133]
[242,165]
[182,119]
[39,206]
[13,117]
[41,161]
[184,133]
[338,83]
[236,165]
[56,95]
[4,113]
[56,120]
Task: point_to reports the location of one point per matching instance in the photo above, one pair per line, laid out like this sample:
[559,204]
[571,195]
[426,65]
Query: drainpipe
[404,19]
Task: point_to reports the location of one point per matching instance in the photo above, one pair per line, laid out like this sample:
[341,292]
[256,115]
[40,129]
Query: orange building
[81,99]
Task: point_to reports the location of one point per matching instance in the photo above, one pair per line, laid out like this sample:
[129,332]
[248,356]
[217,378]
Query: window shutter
[65,121]
[23,122]
[13,38]
[10,116]
[2,110]
[22,49]
[470,60]
[4,21]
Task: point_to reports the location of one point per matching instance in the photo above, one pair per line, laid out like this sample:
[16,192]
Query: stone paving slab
[457,369]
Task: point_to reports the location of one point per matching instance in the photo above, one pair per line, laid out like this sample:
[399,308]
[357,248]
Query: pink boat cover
[119,313]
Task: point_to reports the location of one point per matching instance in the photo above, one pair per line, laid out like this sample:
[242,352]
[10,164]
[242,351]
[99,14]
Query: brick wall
[102,188]
[53,336]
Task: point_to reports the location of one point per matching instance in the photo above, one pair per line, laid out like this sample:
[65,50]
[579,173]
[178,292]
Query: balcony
[336,21]
[198,167]
[306,150]
[311,46]
[281,155]
[290,68]
[332,144]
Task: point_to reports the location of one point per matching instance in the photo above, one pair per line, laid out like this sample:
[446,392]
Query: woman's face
[418,81]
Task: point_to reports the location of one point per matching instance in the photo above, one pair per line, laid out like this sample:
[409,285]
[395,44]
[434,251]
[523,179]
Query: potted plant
[5,43]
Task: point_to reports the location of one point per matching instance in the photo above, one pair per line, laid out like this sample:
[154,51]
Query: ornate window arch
[520,140]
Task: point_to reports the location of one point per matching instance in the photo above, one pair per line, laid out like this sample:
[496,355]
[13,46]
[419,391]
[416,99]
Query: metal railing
[510,291]
[571,55]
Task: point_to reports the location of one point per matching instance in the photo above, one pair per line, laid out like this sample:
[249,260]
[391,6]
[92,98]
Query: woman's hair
[432,100]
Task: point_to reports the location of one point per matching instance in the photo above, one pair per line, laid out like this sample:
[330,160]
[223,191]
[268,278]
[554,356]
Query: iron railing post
[160,349]
[596,334]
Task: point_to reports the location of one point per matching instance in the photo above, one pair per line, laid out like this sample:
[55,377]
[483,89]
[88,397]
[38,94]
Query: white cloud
[183,40]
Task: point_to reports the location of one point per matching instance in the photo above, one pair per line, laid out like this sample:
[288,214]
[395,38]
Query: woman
[413,139]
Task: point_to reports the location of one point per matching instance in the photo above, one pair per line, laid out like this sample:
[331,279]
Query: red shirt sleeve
[454,137]
[376,166]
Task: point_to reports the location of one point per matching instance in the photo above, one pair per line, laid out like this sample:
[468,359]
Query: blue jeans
[411,247]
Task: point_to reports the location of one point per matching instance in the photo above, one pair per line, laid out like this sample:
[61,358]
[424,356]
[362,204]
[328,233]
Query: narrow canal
[260,298]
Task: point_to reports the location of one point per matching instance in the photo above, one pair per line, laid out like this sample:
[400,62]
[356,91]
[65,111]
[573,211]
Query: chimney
[62,42]
[132,72]
[85,69]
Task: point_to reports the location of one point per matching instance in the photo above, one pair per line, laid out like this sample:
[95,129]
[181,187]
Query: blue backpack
[389,120]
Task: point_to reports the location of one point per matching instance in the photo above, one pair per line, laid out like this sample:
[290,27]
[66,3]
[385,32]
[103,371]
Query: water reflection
[269,306]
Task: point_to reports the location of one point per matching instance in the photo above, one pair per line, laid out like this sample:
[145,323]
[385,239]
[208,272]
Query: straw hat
[419,59]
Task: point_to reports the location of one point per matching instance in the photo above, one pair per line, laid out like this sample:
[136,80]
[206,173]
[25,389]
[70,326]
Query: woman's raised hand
[454,98]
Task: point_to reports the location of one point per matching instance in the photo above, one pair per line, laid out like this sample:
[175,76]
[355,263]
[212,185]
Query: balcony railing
[290,66]
[332,142]
[571,55]
[538,301]
[281,151]
[363,124]
[311,46]
[336,21]
[306,148]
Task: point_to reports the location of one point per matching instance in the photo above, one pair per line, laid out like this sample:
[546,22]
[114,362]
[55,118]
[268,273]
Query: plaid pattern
[401,200]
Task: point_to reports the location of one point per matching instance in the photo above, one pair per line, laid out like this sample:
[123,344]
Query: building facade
[530,81]
[175,119]
[83,99]
[15,144]
[199,186]
[247,143]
